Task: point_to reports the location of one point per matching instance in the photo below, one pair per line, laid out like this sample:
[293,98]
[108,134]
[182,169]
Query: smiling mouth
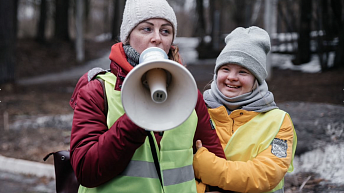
[229,86]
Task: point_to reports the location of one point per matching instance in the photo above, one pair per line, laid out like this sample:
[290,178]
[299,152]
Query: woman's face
[234,80]
[152,33]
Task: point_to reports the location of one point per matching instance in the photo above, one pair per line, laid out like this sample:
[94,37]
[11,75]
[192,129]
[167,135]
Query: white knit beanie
[247,47]
[136,11]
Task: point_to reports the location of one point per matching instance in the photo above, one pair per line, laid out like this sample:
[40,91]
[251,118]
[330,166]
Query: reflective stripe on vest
[175,156]
[178,175]
[140,169]
[147,170]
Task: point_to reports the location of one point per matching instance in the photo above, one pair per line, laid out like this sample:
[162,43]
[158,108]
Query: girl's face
[152,33]
[234,80]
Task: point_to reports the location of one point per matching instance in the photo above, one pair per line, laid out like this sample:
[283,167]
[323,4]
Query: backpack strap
[84,80]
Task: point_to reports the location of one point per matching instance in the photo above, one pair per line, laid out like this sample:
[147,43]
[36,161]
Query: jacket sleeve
[261,174]
[204,131]
[97,153]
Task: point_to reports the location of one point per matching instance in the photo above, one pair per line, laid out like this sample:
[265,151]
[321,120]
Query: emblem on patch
[279,148]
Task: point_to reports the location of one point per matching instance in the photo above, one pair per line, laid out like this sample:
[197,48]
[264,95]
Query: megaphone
[158,94]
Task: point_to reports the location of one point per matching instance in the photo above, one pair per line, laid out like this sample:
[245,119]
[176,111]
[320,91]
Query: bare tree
[239,16]
[200,28]
[211,49]
[117,17]
[40,35]
[87,18]
[329,23]
[8,31]
[337,7]
[324,27]
[255,13]
[61,20]
[270,26]
[303,54]
[287,18]
[79,43]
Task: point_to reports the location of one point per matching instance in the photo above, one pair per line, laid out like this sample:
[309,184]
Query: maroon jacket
[98,153]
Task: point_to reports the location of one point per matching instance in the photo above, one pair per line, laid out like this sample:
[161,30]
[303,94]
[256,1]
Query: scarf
[258,100]
[133,56]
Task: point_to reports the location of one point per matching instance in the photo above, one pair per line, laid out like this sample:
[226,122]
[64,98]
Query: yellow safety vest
[175,156]
[242,147]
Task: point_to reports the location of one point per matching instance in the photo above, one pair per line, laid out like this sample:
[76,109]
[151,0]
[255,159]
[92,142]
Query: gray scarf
[258,100]
[132,55]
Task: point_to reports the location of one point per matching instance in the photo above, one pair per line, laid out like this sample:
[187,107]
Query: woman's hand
[198,144]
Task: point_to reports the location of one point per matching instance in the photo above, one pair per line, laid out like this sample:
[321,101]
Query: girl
[259,140]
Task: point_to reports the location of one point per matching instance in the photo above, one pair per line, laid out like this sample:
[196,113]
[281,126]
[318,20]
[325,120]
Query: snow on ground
[283,61]
[326,161]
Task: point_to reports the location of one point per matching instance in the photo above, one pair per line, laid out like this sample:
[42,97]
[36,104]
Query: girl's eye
[225,69]
[243,72]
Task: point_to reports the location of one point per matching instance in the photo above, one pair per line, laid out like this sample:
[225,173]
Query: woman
[109,153]
[259,140]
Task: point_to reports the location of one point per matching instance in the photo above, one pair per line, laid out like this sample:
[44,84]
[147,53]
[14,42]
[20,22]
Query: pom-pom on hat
[247,47]
[136,11]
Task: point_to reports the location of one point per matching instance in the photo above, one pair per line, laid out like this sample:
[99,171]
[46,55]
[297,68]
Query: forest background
[312,26]
[40,37]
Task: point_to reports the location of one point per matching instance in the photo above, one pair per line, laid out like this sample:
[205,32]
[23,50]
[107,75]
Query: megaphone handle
[156,79]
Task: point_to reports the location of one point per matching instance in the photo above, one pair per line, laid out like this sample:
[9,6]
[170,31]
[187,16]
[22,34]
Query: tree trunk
[79,43]
[61,20]
[8,31]
[339,51]
[117,18]
[303,54]
[87,5]
[40,35]
[200,23]
[240,13]
[270,26]
[216,21]
[323,52]
[286,17]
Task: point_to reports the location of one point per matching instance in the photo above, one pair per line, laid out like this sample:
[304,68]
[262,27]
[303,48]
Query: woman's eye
[165,31]
[146,29]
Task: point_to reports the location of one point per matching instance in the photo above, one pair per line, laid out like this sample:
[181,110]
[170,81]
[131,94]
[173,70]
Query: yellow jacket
[260,174]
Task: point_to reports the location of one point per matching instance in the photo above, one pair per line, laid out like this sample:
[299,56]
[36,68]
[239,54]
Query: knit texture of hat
[136,11]
[247,47]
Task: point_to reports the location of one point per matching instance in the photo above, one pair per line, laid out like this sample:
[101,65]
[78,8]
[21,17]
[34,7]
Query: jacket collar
[220,115]
[119,65]
[118,56]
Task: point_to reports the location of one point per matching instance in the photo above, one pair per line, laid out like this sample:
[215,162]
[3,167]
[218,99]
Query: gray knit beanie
[136,11]
[247,47]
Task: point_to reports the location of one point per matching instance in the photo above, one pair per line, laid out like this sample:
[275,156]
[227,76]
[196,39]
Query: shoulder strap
[155,157]
[105,98]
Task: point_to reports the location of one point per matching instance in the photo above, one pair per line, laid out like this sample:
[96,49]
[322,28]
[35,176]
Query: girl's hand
[198,144]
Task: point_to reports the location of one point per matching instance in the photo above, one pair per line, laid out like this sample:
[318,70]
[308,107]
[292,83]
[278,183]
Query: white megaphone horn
[158,94]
